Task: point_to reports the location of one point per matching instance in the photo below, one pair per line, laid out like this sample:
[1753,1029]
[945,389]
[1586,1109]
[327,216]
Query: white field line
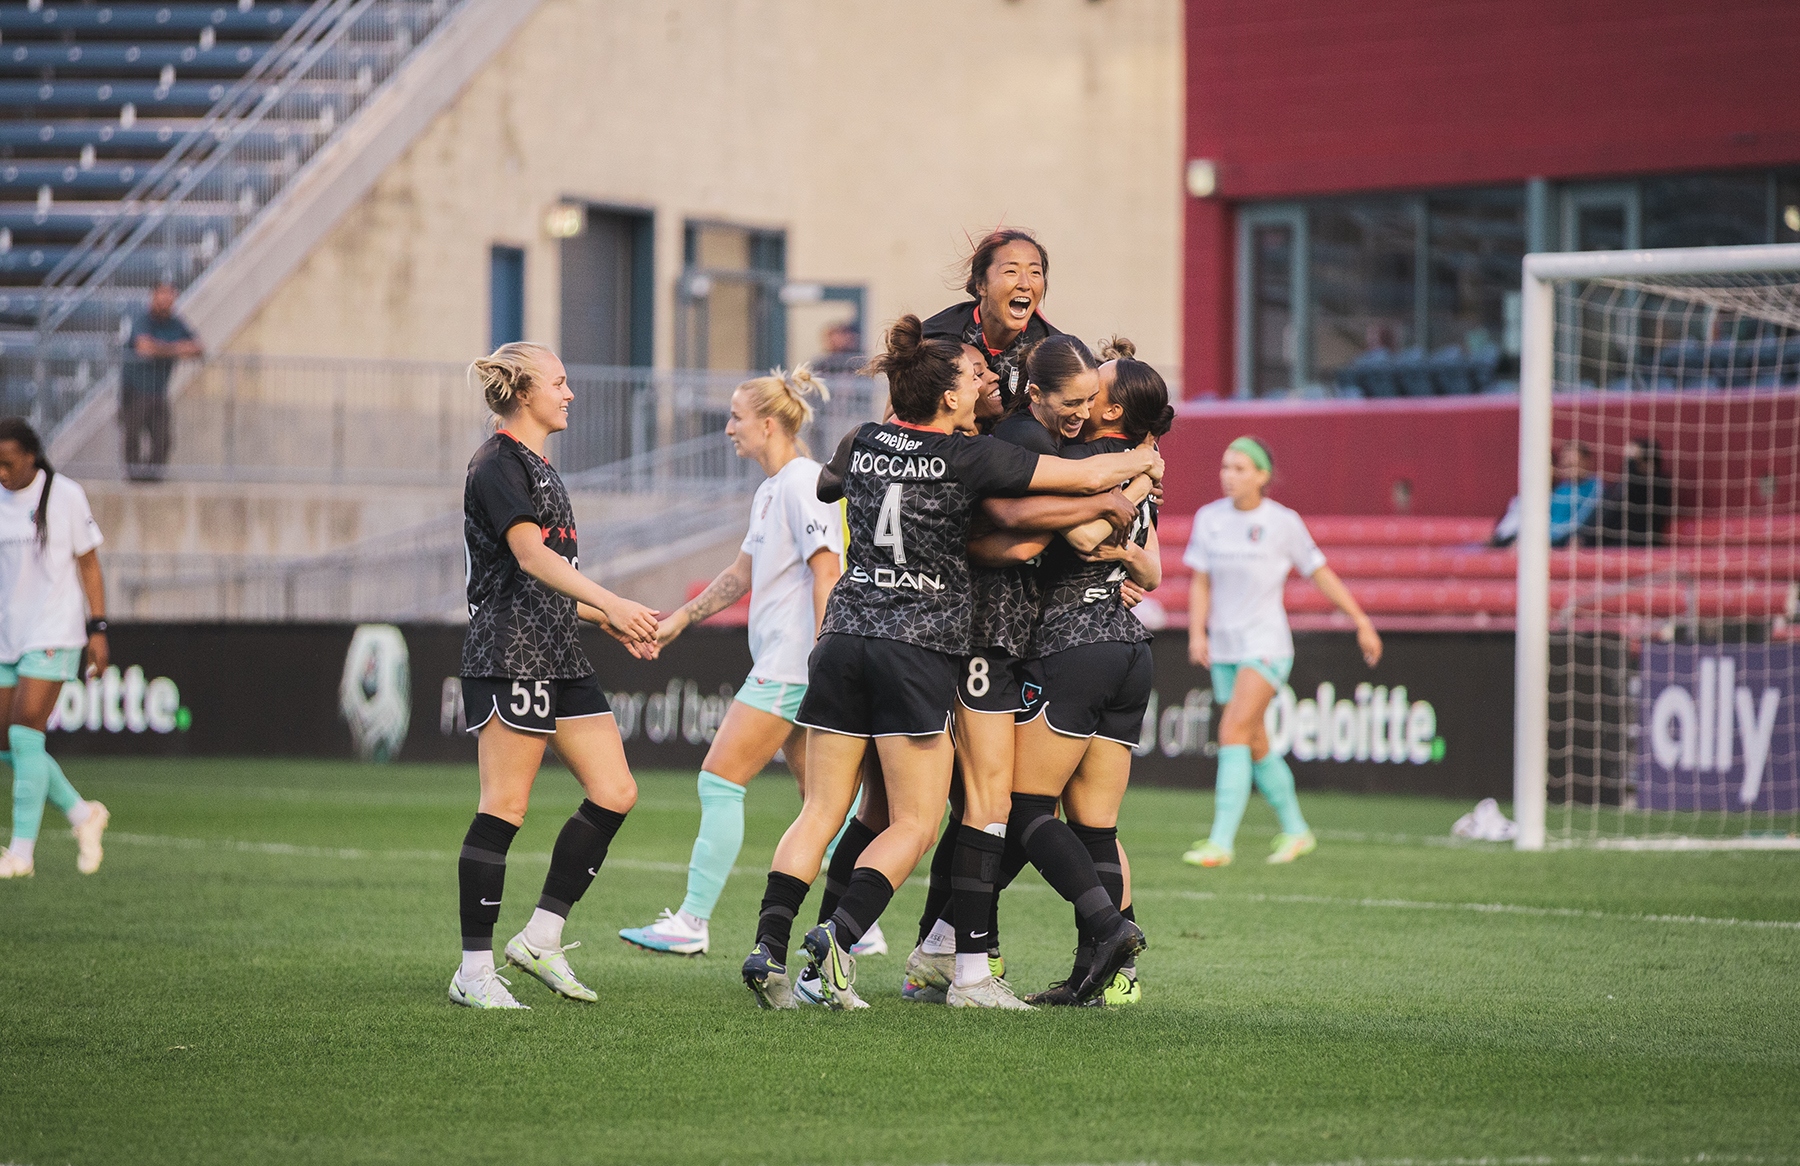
[288,850]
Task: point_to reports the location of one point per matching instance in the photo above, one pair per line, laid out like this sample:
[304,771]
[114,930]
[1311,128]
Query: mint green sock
[716,846]
[31,777]
[854,806]
[1233,794]
[1275,781]
[61,792]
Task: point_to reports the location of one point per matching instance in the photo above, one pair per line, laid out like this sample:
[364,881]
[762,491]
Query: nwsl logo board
[1718,728]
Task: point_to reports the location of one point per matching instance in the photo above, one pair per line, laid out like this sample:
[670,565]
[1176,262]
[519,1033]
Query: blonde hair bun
[505,375]
[785,396]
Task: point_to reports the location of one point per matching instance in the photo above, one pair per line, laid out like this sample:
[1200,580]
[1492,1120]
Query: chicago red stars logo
[1256,533]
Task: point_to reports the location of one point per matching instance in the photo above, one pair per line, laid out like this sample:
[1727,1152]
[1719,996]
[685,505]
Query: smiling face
[1241,480]
[956,412]
[1103,414]
[1064,411]
[17,468]
[987,406]
[749,433]
[1013,286]
[547,401]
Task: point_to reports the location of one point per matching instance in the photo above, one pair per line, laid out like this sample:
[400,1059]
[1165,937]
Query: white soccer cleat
[550,967]
[986,993]
[14,867]
[670,934]
[872,942]
[488,990]
[87,838]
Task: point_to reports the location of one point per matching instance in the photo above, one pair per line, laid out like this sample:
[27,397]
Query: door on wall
[606,289]
[1272,308]
[1602,216]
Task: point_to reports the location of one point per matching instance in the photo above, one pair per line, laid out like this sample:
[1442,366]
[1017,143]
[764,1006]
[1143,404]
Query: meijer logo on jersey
[896,440]
[1719,723]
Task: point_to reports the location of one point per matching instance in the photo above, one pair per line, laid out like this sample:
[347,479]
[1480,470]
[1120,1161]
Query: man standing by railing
[159,338]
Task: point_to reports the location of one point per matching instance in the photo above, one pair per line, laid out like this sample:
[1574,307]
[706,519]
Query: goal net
[1658,666]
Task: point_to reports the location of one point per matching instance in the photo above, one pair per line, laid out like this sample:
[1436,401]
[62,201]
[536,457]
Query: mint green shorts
[1275,670]
[55,664]
[772,696]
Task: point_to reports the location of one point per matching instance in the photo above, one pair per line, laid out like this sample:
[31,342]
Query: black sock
[781,902]
[937,894]
[863,902]
[1012,861]
[1062,860]
[1102,844]
[972,886]
[481,877]
[856,839]
[576,858]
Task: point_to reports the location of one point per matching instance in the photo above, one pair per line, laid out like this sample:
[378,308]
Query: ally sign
[1718,727]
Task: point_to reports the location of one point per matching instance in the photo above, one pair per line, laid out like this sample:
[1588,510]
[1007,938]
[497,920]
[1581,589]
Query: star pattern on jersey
[1082,601]
[518,628]
[1006,607]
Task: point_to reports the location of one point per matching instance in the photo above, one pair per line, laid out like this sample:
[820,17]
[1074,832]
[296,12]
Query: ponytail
[785,397]
[506,375]
[1138,390]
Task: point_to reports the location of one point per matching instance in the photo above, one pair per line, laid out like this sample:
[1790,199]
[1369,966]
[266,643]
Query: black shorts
[990,682]
[863,687]
[1095,690]
[531,706]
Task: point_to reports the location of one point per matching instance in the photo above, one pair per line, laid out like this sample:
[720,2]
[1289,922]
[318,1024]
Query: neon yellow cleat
[1207,854]
[550,967]
[1288,847]
[1124,988]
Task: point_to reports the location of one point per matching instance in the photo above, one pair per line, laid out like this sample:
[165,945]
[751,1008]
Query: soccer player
[48,571]
[788,563]
[526,681]
[1241,549]
[1007,279]
[890,651]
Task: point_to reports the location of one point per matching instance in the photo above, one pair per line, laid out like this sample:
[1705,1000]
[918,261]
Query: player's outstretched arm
[727,587]
[632,624]
[1093,475]
[1326,580]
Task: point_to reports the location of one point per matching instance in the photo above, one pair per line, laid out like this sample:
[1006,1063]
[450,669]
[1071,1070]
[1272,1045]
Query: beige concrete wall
[877,135]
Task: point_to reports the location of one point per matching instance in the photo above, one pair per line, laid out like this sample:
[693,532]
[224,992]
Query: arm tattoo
[720,594]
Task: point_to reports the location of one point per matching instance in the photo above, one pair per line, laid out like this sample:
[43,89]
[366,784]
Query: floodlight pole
[1531,651]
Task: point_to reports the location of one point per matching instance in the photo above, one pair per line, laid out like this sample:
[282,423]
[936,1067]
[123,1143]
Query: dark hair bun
[1164,421]
[1117,348]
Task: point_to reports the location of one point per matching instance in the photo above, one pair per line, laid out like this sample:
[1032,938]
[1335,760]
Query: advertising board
[1718,728]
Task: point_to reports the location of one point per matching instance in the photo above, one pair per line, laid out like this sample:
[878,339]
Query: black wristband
[96,627]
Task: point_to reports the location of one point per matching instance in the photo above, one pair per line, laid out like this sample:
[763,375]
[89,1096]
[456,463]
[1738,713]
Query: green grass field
[258,975]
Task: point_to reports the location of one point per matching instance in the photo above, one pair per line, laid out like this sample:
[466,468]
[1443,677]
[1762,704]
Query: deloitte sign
[120,702]
[1373,723]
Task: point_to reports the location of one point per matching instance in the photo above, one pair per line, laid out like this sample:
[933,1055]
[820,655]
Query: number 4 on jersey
[887,525]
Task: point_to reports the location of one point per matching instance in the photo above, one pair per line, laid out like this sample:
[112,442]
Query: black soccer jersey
[1080,600]
[909,493]
[518,628]
[963,322]
[1006,598]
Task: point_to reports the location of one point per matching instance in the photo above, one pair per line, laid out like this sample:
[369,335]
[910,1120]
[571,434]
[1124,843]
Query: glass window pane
[1272,310]
[1706,210]
[1477,243]
[1362,255]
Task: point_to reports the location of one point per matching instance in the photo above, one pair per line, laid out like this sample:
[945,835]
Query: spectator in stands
[843,355]
[1576,495]
[159,338]
[1636,509]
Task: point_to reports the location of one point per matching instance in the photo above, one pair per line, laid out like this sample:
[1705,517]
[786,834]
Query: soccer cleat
[836,967]
[927,970]
[488,990]
[1207,854]
[669,934]
[809,989]
[87,838]
[550,967]
[872,942]
[1110,953]
[986,993]
[1124,989]
[921,993]
[996,965]
[14,867]
[1288,847]
[1060,995]
[769,980]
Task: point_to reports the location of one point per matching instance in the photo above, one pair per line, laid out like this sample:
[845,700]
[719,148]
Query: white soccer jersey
[1247,553]
[41,605]
[788,525]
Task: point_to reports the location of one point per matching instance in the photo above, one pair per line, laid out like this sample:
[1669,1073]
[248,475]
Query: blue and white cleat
[872,943]
[488,990]
[670,934]
[769,980]
[550,967]
[836,967]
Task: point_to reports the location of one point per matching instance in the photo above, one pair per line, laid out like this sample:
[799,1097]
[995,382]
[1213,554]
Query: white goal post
[1615,345]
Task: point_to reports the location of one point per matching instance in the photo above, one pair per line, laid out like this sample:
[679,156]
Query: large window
[729,313]
[1417,294]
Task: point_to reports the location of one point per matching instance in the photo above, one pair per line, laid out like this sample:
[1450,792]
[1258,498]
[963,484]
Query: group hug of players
[972,643]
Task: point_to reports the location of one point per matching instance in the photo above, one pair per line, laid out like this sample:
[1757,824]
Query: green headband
[1256,453]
